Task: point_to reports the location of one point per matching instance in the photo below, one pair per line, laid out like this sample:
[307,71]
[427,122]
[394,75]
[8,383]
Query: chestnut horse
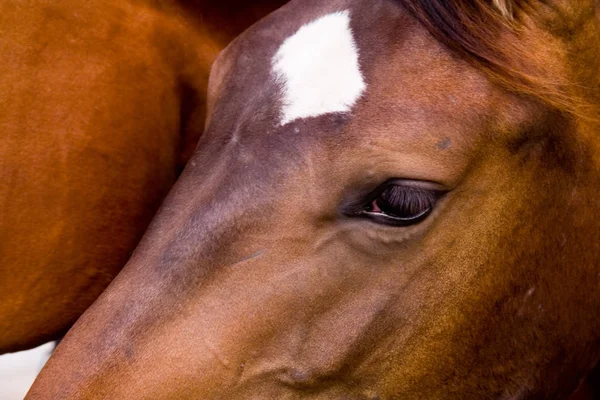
[102,104]
[393,199]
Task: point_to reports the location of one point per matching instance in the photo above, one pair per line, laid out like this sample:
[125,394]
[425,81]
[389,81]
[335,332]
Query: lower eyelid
[385,219]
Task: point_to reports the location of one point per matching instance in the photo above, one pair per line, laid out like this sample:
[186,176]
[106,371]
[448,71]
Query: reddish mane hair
[488,34]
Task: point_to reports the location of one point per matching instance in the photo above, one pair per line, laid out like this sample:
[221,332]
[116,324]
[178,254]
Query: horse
[102,105]
[393,199]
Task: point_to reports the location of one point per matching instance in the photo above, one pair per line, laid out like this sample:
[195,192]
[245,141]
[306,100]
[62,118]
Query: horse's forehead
[297,65]
[316,70]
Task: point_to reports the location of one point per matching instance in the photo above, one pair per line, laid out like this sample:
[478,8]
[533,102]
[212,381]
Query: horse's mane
[486,33]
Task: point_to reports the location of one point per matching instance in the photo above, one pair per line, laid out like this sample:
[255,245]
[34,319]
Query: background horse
[392,199]
[102,104]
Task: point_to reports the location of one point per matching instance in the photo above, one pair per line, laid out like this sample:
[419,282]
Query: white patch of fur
[319,69]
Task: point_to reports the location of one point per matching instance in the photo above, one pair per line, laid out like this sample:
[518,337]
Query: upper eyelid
[412,183]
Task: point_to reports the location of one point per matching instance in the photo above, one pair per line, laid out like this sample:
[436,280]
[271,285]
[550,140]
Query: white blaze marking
[319,69]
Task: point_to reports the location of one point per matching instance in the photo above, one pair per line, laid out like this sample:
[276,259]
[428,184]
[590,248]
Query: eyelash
[398,204]
[413,199]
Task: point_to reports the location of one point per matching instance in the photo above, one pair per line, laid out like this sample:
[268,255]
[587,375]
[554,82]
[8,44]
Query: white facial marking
[318,67]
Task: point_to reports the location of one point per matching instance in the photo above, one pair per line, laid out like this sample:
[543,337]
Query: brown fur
[490,34]
[102,104]
[254,280]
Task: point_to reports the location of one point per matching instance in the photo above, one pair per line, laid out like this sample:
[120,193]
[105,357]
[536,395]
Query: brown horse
[102,104]
[393,199]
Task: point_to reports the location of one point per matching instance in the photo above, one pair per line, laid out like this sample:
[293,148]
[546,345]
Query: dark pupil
[405,202]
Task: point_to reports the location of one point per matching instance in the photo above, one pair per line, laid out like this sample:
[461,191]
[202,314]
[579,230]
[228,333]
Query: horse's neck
[228,18]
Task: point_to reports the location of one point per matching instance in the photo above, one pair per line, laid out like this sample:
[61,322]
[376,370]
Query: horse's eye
[401,205]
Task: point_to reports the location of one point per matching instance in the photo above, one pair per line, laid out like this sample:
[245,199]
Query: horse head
[392,199]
